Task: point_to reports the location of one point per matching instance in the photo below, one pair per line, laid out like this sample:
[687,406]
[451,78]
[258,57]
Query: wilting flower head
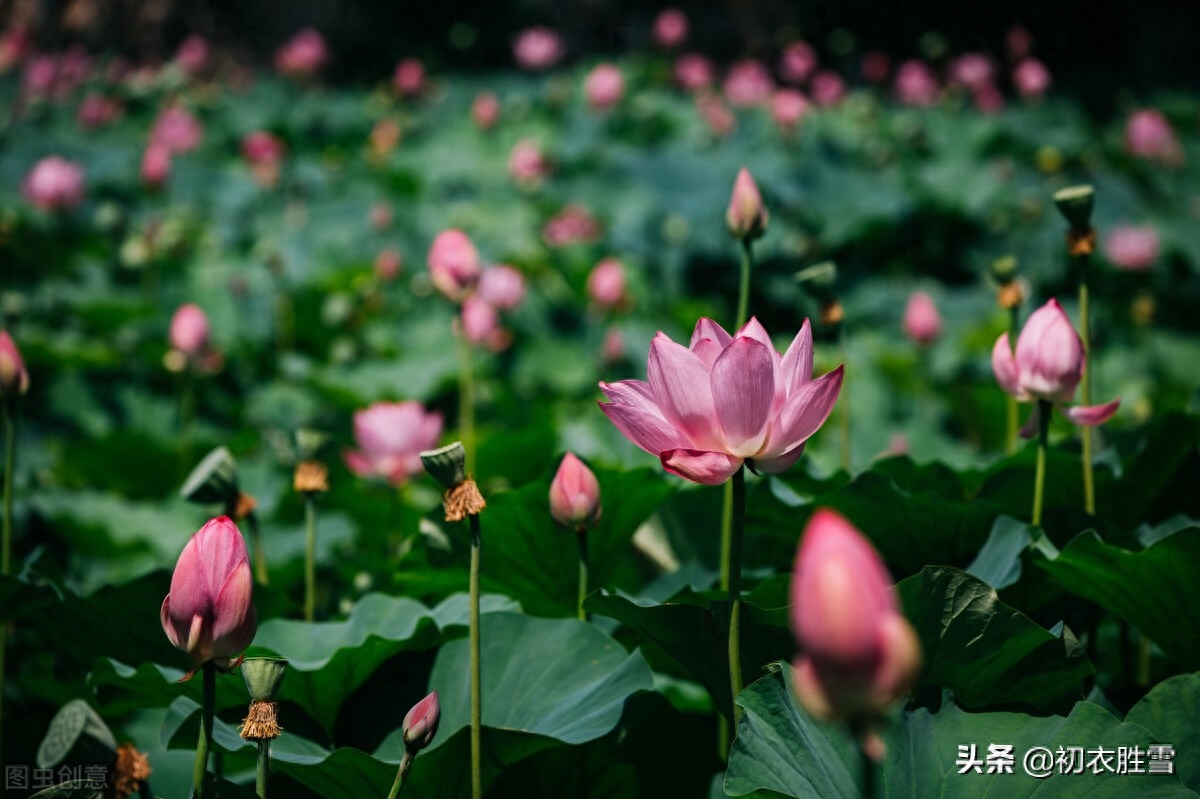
[1048,365]
[706,409]
[748,83]
[670,28]
[421,723]
[537,49]
[1132,247]
[1149,135]
[14,379]
[606,283]
[746,215]
[526,162]
[177,130]
[827,88]
[54,184]
[409,77]
[788,107]
[574,494]
[485,110]
[189,330]
[922,323]
[693,72]
[915,84]
[604,86]
[192,55]
[502,286]
[454,264]
[1031,78]
[797,62]
[209,612]
[303,55]
[156,166]
[390,438]
[858,654]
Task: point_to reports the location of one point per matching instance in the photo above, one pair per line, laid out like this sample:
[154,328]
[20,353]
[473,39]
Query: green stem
[476,688]
[844,404]
[1010,440]
[735,587]
[1089,489]
[401,775]
[264,768]
[1039,478]
[466,403]
[726,547]
[310,555]
[581,537]
[207,708]
[743,307]
[260,554]
[868,773]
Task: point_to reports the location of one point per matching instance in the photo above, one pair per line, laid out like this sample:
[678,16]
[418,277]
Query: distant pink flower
[97,110]
[604,86]
[971,70]
[988,98]
[797,62]
[1148,135]
[303,55]
[485,110]
[915,84]
[14,46]
[501,286]
[746,216]
[572,225]
[538,49]
[1019,42]
[875,66]
[574,494]
[670,28]
[606,284]
[39,76]
[724,401]
[74,68]
[156,166]
[788,107]
[189,330]
[264,153]
[388,264]
[1048,365]
[613,348]
[54,184]
[1031,78]
[454,264]
[827,88]
[380,215]
[421,724]
[409,77]
[922,322]
[14,379]
[480,324]
[716,114]
[177,130]
[694,72]
[526,162]
[193,54]
[390,438]
[748,83]
[1131,247]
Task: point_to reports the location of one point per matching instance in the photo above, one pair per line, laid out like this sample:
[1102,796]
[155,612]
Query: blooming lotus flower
[858,654]
[694,72]
[1149,135]
[748,83]
[1048,366]
[746,215]
[724,401]
[421,723]
[303,55]
[604,86]
[1131,247]
[485,110]
[670,28]
[54,184]
[827,88]
[1031,78]
[537,49]
[14,379]
[189,330]
[177,130]
[915,84]
[922,323]
[209,612]
[156,166]
[501,286]
[606,283]
[390,437]
[454,264]
[788,107]
[797,62]
[409,77]
[574,494]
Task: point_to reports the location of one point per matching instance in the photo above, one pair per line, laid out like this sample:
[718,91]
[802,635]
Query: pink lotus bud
[694,72]
[526,163]
[604,86]
[421,723]
[14,379]
[827,88]
[746,215]
[971,70]
[209,612]
[388,264]
[716,115]
[875,66]
[501,286]
[788,107]
[1133,248]
[485,111]
[54,184]
[262,147]
[303,55]
[606,284]
[454,265]
[390,438]
[156,166]
[858,654]
[572,225]
[1149,135]
[97,110]
[189,330]
[748,83]
[39,76]
[915,84]
[922,323]
[988,98]
[177,130]
[574,494]
[1031,78]
[192,55]
[480,322]
[409,78]
[1019,42]
[670,28]
[537,49]
[381,215]
[797,62]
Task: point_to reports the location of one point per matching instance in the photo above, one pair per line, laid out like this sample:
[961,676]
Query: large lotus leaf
[1154,471]
[1154,590]
[781,750]
[1170,712]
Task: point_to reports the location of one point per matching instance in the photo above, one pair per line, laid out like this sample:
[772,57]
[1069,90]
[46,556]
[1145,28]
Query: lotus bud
[485,110]
[670,28]
[189,330]
[502,287]
[14,379]
[454,265]
[746,215]
[574,494]
[922,322]
[604,86]
[606,283]
[421,723]
[156,166]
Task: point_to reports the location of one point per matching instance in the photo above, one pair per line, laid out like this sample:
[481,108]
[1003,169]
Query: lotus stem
[581,537]
[1039,477]
[1010,439]
[743,306]
[476,688]
[844,402]
[310,555]
[401,775]
[264,768]
[207,708]
[466,403]
[1089,488]
[735,587]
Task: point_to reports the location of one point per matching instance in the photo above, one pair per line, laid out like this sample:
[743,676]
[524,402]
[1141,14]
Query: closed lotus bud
[485,111]
[209,612]
[454,264]
[922,323]
[409,77]
[502,287]
[1132,247]
[606,283]
[14,379]
[1031,78]
[54,184]
[156,166]
[670,28]
[421,723]
[189,330]
[746,215]
[480,322]
[1049,357]
[574,494]
[604,86]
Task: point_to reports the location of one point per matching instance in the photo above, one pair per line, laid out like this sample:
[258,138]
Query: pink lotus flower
[388,264]
[788,107]
[797,62]
[574,494]
[922,322]
[716,114]
[390,438]
[1031,78]
[193,54]
[526,162]
[724,401]
[604,86]
[538,49]
[156,166]
[606,284]
[501,286]
[694,72]
[746,215]
[875,66]
[54,184]
[858,654]
[915,84]
[670,28]
[1131,247]
[264,152]
[613,348]
[454,265]
[827,88]
[14,379]
[209,612]
[97,110]
[485,110]
[479,324]
[421,724]
[971,70]
[39,76]
[409,78]
[572,225]
[14,45]
[303,55]
[189,330]
[177,130]
[988,98]
[748,83]
[1048,365]
[1149,135]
